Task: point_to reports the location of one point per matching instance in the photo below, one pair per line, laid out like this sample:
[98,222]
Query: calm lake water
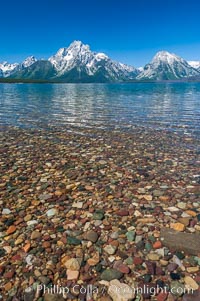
[173,106]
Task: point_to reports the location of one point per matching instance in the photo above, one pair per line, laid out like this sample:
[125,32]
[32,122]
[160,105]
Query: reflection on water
[169,105]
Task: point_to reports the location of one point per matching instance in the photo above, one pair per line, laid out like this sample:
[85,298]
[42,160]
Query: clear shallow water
[174,106]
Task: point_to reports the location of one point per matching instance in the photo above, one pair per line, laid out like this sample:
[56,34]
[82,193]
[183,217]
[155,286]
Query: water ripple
[174,106]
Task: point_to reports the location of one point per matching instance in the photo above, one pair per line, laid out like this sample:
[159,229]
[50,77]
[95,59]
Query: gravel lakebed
[99,215]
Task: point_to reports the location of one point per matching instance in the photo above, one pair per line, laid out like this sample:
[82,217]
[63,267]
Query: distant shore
[38,81]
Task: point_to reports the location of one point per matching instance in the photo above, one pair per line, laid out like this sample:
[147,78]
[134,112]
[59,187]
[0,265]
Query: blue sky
[130,31]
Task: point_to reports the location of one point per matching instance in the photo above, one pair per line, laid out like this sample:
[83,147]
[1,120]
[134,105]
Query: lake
[172,106]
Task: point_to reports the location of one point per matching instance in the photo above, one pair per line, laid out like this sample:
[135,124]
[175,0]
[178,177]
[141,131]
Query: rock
[110,249]
[73,241]
[72,275]
[180,255]
[27,217]
[147,290]
[177,226]
[197,260]
[8,249]
[123,213]
[7,286]
[44,280]
[52,212]
[146,220]
[29,259]
[181,205]
[162,296]
[178,262]
[45,197]
[175,276]
[78,205]
[29,294]
[11,230]
[111,274]
[148,197]
[105,298]
[72,264]
[177,288]
[138,238]
[2,252]
[5,211]
[148,246]
[157,245]
[171,297]
[53,297]
[187,242]
[19,240]
[163,262]
[140,245]
[191,213]
[184,220]
[192,270]
[195,296]
[158,192]
[35,234]
[151,267]
[147,278]
[114,235]
[98,215]
[153,256]
[191,283]
[118,265]
[120,291]
[9,275]
[91,236]
[137,213]
[172,267]
[32,222]
[94,260]
[173,209]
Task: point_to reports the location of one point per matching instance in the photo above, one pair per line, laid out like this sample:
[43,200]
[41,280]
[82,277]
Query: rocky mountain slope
[167,66]
[77,63]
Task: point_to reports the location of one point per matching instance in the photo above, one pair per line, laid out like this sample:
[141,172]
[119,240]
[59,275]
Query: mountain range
[78,63]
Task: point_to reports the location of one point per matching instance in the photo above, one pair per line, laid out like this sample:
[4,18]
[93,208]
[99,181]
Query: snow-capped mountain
[167,66]
[80,60]
[7,69]
[28,62]
[77,63]
[195,64]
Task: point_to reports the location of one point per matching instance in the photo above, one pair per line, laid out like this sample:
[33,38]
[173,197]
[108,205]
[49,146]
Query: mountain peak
[68,58]
[6,68]
[165,56]
[195,64]
[167,66]
[77,43]
[78,46]
[28,61]
[74,49]
[81,61]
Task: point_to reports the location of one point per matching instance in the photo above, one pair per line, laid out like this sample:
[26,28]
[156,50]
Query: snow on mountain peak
[78,63]
[166,56]
[7,68]
[28,61]
[79,57]
[166,65]
[78,45]
[101,56]
[194,64]
[67,58]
